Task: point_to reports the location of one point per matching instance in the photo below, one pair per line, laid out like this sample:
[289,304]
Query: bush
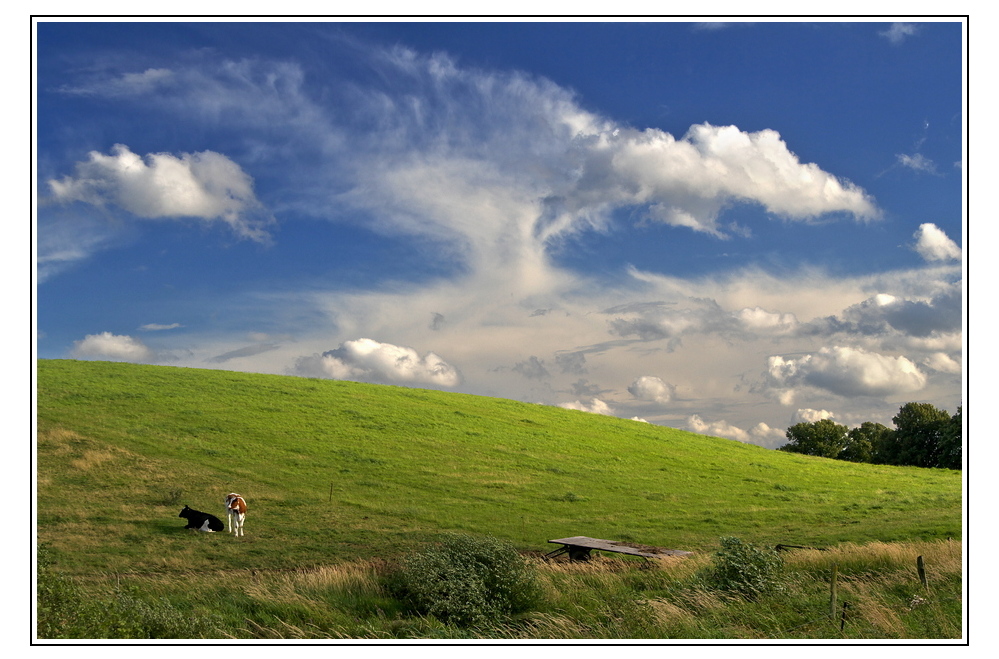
[64,611]
[745,569]
[467,581]
[57,598]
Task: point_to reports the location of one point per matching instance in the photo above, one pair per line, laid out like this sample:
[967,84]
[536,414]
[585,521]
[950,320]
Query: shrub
[745,569]
[64,611]
[467,581]
[57,597]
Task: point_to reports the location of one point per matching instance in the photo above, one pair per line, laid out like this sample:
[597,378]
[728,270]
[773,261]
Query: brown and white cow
[235,506]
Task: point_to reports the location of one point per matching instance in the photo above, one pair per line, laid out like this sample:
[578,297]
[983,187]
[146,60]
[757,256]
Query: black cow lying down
[201,521]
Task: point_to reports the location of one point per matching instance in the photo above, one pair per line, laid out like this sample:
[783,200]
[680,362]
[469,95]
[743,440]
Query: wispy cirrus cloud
[917,162]
[159,327]
[897,33]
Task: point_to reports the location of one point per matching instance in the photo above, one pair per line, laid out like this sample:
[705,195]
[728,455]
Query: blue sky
[726,228]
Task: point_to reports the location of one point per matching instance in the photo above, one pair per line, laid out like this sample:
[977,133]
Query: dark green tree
[824,438]
[951,437]
[919,432]
[864,440]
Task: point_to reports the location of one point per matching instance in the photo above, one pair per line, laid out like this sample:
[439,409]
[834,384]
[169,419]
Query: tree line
[924,436]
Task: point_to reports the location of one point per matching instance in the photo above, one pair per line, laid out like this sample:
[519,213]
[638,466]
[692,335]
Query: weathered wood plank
[619,547]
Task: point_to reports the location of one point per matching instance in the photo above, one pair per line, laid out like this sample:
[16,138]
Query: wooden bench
[579,547]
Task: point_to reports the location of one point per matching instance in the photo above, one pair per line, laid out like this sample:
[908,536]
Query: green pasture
[338,471]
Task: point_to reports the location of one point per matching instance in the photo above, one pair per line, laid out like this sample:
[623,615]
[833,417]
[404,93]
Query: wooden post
[921,569]
[832,593]
[842,620]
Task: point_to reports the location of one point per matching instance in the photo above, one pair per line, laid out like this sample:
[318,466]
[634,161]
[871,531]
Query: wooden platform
[578,547]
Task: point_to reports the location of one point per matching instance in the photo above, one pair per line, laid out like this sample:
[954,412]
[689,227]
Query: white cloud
[366,360]
[917,162]
[157,327]
[844,371]
[652,388]
[204,185]
[112,347]
[760,434]
[758,319]
[942,362]
[595,406]
[899,32]
[688,181]
[128,84]
[65,239]
[934,245]
[811,416]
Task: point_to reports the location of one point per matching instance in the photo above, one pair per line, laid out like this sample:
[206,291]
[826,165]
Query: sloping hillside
[338,470]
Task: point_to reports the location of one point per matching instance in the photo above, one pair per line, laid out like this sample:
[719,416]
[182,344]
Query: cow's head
[185,512]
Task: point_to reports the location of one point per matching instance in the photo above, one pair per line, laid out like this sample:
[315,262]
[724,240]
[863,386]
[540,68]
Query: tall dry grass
[605,598]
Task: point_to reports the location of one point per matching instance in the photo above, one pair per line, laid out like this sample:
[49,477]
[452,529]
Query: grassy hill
[338,471]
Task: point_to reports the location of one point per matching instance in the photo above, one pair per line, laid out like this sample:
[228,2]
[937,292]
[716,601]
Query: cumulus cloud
[884,313]
[811,416]
[204,185]
[899,32]
[688,181]
[595,406]
[366,360]
[760,434]
[770,322]
[942,363]
[934,245]
[844,371]
[112,347]
[652,388]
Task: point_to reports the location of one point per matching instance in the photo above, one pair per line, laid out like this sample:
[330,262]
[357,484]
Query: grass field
[341,473]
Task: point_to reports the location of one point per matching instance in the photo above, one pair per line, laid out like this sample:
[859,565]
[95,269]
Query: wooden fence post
[921,569]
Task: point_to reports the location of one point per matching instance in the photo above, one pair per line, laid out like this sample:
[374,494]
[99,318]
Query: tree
[824,438]
[951,437]
[864,442]
[919,430]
